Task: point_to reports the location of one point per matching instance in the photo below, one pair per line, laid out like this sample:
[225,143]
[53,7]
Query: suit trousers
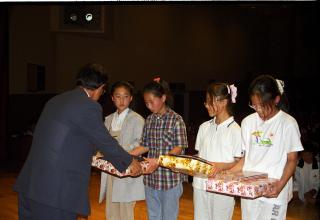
[31,210]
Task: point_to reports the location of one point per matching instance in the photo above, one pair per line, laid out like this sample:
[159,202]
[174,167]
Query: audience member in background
[271,140]
[30,129]
[306,179]
[219,141]
[164,133]
[53,183]
[126,127]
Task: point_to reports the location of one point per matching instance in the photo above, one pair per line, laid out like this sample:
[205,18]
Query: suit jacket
[57,170]
[125,189]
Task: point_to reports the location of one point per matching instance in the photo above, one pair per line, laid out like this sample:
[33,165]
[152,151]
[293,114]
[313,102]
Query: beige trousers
[117,210]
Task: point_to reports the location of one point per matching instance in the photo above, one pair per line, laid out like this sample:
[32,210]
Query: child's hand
[309,196]
[295,196]
[273,190]
[152,165]
[214,170]
[135,168]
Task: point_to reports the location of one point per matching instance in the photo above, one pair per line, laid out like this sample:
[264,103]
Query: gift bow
[280,85]
[233,93]
[157,79]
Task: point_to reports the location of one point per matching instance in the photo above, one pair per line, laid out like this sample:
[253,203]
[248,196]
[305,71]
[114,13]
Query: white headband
[280,85]
[232,90]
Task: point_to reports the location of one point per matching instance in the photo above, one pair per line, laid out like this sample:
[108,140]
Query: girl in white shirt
[219,141]
[126,127]
[271,140]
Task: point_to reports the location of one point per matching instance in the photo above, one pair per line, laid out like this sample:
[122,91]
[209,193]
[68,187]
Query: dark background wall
[226,42]
[188,44]
[3,80]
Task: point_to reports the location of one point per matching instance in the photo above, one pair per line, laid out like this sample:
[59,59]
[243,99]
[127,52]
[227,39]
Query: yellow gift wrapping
[191,165]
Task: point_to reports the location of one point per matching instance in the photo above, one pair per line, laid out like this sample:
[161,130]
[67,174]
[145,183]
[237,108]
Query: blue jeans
[163,204]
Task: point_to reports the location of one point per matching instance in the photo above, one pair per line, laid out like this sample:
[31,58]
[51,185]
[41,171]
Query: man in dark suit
[53,183]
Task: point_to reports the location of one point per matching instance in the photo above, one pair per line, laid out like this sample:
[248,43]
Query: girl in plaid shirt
[164,133]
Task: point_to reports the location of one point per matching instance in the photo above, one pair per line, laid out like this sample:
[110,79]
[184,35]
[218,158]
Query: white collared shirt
[118,119]
[217,143]
[86,93]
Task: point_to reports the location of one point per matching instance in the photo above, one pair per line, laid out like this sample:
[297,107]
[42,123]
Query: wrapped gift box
[109,168]
[241,176]
[191,165]
[246,184]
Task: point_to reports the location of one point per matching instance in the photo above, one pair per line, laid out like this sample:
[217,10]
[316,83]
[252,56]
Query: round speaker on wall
[75,18]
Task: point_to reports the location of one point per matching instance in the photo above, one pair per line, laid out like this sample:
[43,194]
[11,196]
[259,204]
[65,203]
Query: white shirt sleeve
[199,138]
[292,138]
[245,137]
[236,142]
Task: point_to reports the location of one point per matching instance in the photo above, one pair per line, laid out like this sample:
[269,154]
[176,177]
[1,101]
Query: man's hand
[135,168]
[99,154]
[82,217]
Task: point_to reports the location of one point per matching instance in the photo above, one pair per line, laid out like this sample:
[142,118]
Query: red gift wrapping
[109,168]
[246,185]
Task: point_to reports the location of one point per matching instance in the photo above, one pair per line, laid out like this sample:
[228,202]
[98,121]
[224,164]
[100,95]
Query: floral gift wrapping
[191,165]
[109,168]
[246,185]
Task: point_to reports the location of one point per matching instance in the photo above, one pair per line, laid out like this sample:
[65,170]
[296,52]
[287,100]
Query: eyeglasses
[215,101]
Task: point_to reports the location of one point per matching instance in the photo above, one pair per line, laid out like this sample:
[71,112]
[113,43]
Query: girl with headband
[219,141]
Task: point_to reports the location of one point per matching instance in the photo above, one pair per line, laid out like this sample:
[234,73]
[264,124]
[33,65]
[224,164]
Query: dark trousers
[32,210]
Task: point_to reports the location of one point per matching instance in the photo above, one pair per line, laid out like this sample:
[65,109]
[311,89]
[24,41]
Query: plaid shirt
[161,134]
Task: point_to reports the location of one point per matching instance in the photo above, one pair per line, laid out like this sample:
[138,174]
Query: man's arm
[91,124]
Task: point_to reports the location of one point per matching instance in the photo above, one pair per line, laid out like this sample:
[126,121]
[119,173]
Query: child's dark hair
[308,148]
[158,88]
[267,88]
[92,76]
[221,91]
[124,84]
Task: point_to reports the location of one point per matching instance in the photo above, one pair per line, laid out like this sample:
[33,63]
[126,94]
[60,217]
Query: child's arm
[176,150]
[296,184]
[225,166]
[288,172]
[238,166]
[139,150]
[154,162]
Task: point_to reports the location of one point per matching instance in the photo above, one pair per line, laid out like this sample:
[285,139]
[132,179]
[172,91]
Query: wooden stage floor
[8,203]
